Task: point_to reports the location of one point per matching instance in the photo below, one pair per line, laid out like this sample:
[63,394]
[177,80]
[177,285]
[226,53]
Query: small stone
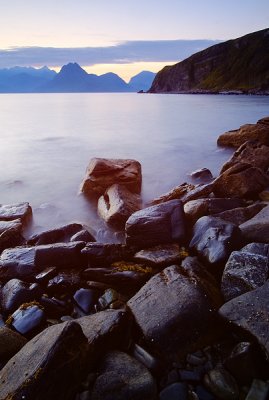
[83,236]
[203,175]
[175,391]
[46,275]
[159,256]
[190,376]
[141,355]
[85,299]
[27,319]
[221,384]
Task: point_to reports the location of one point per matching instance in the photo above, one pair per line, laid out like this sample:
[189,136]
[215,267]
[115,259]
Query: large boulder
[215,239]
[57,235]
[163,223]
[251,152]
[237,137]
[117,204]
[175,312]
[256,229]
[50,366]
[241,180]
[250,313]
[102,173]
[9,212]
[122,377]
[61,255]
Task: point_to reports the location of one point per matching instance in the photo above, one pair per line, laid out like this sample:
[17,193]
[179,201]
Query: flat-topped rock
[237,137]
[22,211]
[103,173]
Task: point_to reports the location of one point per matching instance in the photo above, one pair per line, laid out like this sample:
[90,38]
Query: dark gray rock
[46,275]
[21,211]
[86,299]
[256,229]
[55,308]
[259,390]
[163,223]
[240,215]
[261,249]
[159,256]
[175,391]
[10,343]
[222,384]
[243,272]
[102,173]
[50,366]
[169,301]
[82,236]
[117,204]
[16,292]
[58,235]
[122,377]
[18,262]
[28,319]
[62,255]
[64,282]
[215,239]
[100,254]
[250,312]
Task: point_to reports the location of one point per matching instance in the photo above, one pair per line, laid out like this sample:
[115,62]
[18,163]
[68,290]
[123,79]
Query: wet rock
[18,262]
[240,215]
[30,374]
[257,248]
[28,319]
[62,255]
[199,192]
[259,390]
[215,239]
[103,173]
[122,377]
[98,254]
[163,223]
[58,235]
[256,229]
[196,209]
[14,225]
[174,392]
[250,312]
[159,256]
[175,193]
[243,272]
[117,204]
[10,234]
[82,236]
[237,137]
[86,299]
[203,175]
[169,301]
[251,152]
[241,180]
[10,343]
[109,297]
[150,362]
[16,292]
[10,212]
[64,282]
[222,384]
[54,308]
[46,275]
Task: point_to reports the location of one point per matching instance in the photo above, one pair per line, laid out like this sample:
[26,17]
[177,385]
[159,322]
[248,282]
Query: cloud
[122,53]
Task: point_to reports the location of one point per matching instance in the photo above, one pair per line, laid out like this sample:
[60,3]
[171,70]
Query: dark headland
[178,310]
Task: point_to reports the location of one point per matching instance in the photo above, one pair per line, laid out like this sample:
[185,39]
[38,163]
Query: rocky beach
[178,310]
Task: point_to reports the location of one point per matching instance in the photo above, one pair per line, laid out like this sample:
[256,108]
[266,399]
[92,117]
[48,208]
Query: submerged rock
[102,173]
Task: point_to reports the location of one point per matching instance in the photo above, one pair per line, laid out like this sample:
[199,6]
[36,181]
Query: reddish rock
[237,137]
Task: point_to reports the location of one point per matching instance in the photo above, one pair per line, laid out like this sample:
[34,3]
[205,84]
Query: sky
[122,36]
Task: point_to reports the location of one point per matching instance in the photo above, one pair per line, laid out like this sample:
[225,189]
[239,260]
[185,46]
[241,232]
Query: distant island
[239,66]
[71,79]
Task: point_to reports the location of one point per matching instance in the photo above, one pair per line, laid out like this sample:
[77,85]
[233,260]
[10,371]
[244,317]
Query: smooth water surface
[47,141]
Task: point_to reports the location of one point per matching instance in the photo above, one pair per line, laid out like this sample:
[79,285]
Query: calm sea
[47,141]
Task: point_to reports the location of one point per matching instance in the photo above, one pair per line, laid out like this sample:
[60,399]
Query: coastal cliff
[240,65]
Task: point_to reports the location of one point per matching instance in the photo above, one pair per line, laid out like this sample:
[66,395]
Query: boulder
[100,254]
[256,229]
[195,209]
[17,262]
[215,239]
[117,204]
[160,256]
[50,366]
[122,377]
[170,301]
[241,180]
[250,313]
[28,319]
[203,175]
[257,248]
[163,223]
[243,272]
[251,152]
[240,215]
[16,292]
[10,234]
[21,211]
[82,236]
[57,235]
[103,173]
[60,255]
[10,343]
[237,137]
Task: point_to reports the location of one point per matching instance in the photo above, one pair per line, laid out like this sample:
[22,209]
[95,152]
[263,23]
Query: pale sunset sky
[121,36]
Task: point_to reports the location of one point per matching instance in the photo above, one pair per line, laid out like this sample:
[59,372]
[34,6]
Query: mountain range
[235,66]
[71,78]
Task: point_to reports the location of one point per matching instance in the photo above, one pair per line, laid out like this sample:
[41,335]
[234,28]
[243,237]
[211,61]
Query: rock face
[50,366]
[223,67]
[250,312]
[163,223]
[238,137]
[103,173]
[256,229]
[122,377]
[241,180]
[117,204]
[168,302]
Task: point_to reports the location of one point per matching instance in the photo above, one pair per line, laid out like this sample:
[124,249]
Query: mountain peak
[72,68]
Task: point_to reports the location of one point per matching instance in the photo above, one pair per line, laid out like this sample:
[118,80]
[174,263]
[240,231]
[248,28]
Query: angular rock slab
[174,312]
[163,223]
[50,366]
[256,229]
[241,180]
[237,137]
[215,239]
[57,235]
[250,312]
[102,173]
[243,272]
[117,204]
[59,255]
[9,212]
[123,377]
